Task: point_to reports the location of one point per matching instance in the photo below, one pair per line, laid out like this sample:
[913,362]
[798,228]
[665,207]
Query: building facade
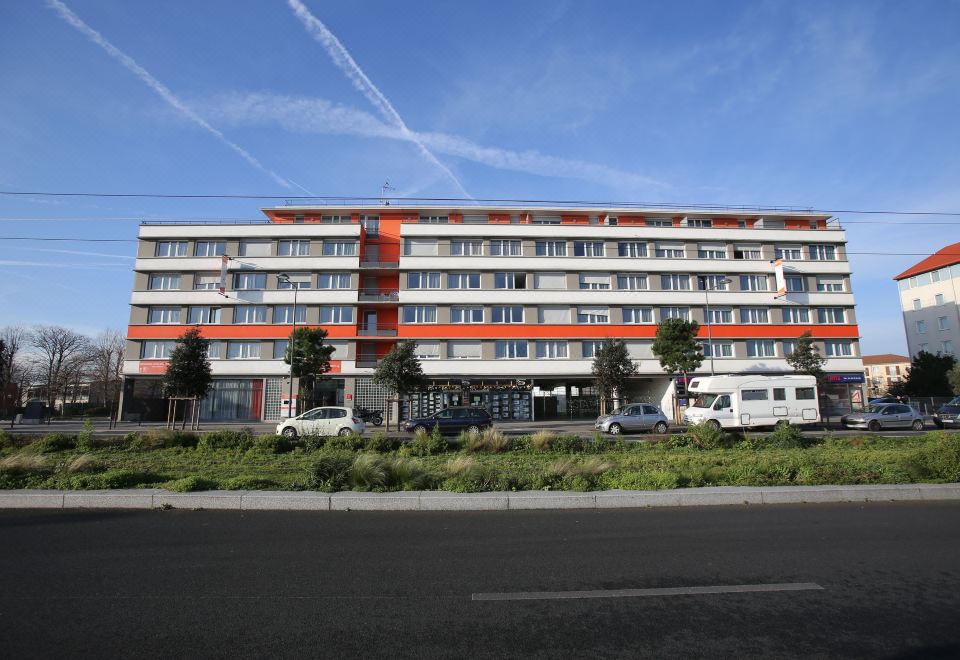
[930,301]
[883,371]
[507,305]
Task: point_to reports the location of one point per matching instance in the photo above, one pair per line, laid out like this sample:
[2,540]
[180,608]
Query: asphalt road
[259,584]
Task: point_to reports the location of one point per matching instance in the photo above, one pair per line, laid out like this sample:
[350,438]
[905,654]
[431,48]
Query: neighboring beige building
[882,371]
[930,300]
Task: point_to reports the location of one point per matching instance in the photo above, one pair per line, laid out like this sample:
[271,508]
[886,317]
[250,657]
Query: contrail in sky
[345,62]
[157,86]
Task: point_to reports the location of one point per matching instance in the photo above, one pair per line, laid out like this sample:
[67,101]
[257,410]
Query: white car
[326,420]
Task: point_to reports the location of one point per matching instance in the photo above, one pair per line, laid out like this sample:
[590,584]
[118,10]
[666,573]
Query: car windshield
[874,409]
[955,402]
[618,411]
[704,400]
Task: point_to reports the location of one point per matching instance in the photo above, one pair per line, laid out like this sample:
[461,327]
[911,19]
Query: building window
[334,219]
[789,346]
[588,248]
[164,282]
[832,285]
[298,248]
[463,280]
[250,314]
[712,282]
[466,314]
[669,251]
[761,348]
[938,299]
[943,323]
[423,280]
[948,347]
[593,315]
[339,248]
[420,314]
[788,252]
[796,315]
[675,282]
[747,252]
[510,349]
[163,315]
[551,248]
[754,283]
[156,350]
[280,348]
[838,349]
[427,350]
[917,305]
[171,249]
[589,348]
[553,314]
[255,248]
[285,314]
[466,248]
[243,350]
[754,315]
[922,327]
[718,349]
[711,252]
[638,315]
[925,347]
[332,281]
[550,280]
[700,223]
[720,316]
[206,281]
[675,313]
[796,283]
[594,280]
[203,315]
[336,314]
[371,225]
[464,350]
[551,350]
[213,350]
[823,253]
[830,315]
[631,249]
[632,282]
[297,281]
[210,249]
[658,222]
[507,314]
[505,248]
[249,281]
[509,280]
[545,220]
[434,219]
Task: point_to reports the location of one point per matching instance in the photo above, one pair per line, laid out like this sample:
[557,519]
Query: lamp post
[284,277]
[706,292]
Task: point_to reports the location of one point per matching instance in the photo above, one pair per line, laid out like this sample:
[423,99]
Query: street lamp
[284,277]
[706,292]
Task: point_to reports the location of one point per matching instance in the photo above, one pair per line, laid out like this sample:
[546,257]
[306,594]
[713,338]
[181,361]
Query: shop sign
[518,384]
[153,366]
[845,378]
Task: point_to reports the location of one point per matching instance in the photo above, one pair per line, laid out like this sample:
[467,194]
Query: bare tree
[107,364]
[58,352]
[14,338]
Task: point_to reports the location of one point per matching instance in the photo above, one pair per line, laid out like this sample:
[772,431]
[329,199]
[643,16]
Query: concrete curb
[241,500]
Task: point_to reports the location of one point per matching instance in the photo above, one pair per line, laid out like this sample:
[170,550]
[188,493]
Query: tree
[107,365]
[954,378]
[400,371]
[188,373]
[677,347]
[806,358]
[927,376]
[310,358]
[58,351]
[612,368]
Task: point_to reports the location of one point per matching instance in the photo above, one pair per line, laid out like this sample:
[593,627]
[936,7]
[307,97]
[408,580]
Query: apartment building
[507,305]
[930,301]
[883,371]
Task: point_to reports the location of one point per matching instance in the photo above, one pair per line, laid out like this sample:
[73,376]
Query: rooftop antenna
[383,192]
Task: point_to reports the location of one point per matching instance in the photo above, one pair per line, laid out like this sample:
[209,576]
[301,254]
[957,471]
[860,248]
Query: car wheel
[615,429]
[714,424]
[917,425]
[660,428]
[473,428]
[938,423]
[419,428]
[874,425]
[289,432]
[345,431]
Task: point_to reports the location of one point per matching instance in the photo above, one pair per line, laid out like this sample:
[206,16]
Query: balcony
[367,362]
[379,265]
[376,331]
[378,295]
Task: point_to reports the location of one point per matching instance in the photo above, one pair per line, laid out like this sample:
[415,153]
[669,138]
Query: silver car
[633,417]
[326,420]
[884,416]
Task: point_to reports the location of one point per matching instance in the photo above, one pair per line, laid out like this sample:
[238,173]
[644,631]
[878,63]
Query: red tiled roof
[886,358]
[948,256]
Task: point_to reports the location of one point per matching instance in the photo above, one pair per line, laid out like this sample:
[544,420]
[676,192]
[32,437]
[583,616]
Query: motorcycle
[374,417]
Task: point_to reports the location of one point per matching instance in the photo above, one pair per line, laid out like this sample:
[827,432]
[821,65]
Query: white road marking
[633,593]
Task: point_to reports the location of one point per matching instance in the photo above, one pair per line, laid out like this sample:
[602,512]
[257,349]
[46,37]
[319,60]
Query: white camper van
[746,401]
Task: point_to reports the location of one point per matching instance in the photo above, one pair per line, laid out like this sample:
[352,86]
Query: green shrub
[938,459]
[53,442]
[84,463]
[427,444]
[542,440]
[490,440]
[313,442]
[85,437]
[190,484]
[379,442]
[642,480]
[785,436]
[520,443]
[114,479]
[248,482]
[273,444]
[6,439]
[598,444]
[161,439]
[20,464]
[227,439]
[351,442]
[330,472]
[573,474]
[568,444]
[369,472]
[408,474]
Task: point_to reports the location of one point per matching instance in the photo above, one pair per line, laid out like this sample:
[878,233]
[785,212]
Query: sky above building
[834,106]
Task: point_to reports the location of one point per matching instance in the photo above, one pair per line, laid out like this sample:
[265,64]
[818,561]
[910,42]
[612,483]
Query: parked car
[883,399]
[453,420]
[884,416]
[634,417]
[325,420]
[948,414]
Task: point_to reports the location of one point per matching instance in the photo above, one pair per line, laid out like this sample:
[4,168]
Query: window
[163,315]
[712,282]
[638,315]
[336,314]
[761,348]
[507,314]
[829,284]
[463,350]
[339,248]
[434,220]
[334,219]
[720,316]
[669,251]
[922,327]
[171,249]
[754,395]
[250,314]
[594,280]
[510,349]
[285,314]
[206,281]
[333,281]
[545,220]
[718,349]
[830,315]
[805,394]
[675,282]
[427,350]
[466,315]
[371,225]
[838,349]
[420,314]
[788,252]
[589,348]
[255,248]
[280,348]
[796,315]
[917,305]
[296,281]
[700,223]
[509,280]
[631,249]
[553,314]
[711,252]
[202,315]
[754,283]
[935,276]
[942,323]
[249,281]
[747,252]
[925,347]
[658,222]
[164,282]
[156,350]
[243,350]
[298,248]
[588,248]
[948,347]
[466,248]
[938,299]
[551,350]
[423,280]
[823,253]
[551,248]
[754,315]
[675,313]
[213,350]
[632,282]
[505,248]
[210,249]
[550,280]
[796,283]
[789,346]
[463,281]
[593,315]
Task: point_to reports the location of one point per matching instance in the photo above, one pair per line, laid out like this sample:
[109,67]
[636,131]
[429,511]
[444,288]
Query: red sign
[334,367]
[153,366]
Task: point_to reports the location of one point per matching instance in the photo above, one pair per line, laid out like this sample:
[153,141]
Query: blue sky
[832,105]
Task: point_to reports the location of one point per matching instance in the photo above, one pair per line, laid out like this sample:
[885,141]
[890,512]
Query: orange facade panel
[258,331]
[569,331]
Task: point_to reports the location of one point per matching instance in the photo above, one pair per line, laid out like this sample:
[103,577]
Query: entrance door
[370,322]
[371,285]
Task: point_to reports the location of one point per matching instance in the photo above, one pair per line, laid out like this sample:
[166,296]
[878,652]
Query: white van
[746,401]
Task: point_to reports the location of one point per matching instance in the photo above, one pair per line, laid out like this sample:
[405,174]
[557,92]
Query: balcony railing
[380,265]
[378,295]
[366,362]
[377,331]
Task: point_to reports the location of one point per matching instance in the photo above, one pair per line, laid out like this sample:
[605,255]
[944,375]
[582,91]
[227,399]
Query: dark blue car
[453,420]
